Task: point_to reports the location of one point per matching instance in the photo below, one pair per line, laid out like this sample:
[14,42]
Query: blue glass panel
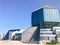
[51,15]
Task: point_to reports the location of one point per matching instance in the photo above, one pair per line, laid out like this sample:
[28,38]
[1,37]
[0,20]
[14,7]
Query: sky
[16,14]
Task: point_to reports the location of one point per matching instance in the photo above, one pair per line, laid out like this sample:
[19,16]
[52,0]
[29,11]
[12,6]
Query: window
[51,15]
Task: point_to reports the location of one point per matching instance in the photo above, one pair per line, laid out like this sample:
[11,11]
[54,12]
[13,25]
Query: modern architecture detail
[45,27]
[47,21]
[13,34]
[27,35]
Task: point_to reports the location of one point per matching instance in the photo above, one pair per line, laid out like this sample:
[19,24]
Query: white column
[10,35]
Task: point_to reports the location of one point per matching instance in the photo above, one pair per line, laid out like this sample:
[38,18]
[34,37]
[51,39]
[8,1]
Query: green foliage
[51,43]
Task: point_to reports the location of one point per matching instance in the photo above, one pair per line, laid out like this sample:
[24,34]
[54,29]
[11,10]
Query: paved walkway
[15,43]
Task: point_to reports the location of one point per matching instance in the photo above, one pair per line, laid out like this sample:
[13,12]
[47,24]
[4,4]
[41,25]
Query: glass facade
[51,15]
[51,38]
[49,24]
[17,36]
[37,17]
[46,17]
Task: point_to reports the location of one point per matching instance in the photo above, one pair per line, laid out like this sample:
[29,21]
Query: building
[46,17]
[28,34]
[17,35]
[13,34]
[43,22]
[56,30]
[1,36]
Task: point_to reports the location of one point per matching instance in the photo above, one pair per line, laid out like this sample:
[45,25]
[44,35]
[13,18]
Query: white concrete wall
[48,29]
[11,34]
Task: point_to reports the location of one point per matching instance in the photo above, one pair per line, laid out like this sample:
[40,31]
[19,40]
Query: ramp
[28,34]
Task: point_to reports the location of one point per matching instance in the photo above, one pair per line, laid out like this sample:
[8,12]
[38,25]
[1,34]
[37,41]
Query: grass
[57,44]
[52,43]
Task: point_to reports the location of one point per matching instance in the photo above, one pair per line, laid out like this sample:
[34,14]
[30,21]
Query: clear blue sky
[16,14]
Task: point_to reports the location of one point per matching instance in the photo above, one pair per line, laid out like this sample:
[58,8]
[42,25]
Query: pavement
[8,42]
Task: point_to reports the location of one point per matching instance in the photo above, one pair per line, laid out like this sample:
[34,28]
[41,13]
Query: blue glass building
[44,22]
[46,16]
